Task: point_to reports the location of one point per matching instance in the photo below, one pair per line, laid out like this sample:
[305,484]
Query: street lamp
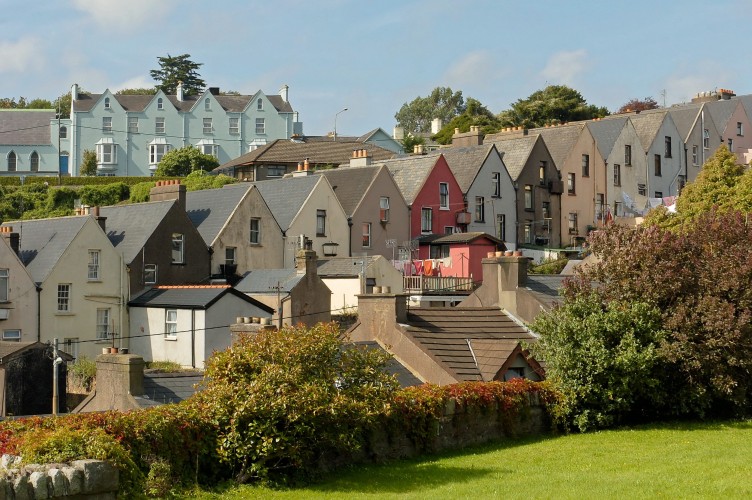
[335,121]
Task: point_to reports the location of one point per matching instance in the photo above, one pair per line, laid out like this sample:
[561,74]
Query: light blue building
[29,142]
[131,133]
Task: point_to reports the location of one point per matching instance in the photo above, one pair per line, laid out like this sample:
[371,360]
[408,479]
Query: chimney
[305,262]
[100,219]
[169,190]
[502,276]
[360,158]
[74,92]
[120,377]
[471,138]
[436,125]
[283,92]
[214,90]
[382,310]
[14,239]
[179,92]
[398,133]
[304,169]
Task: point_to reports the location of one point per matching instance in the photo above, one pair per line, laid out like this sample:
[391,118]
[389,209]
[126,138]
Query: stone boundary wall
[81,479]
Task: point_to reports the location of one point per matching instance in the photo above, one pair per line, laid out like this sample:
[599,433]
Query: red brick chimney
[168,190]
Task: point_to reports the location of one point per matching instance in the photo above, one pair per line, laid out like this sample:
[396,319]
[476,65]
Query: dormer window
[207,104]
[160,103]
[106,103]
[260,104]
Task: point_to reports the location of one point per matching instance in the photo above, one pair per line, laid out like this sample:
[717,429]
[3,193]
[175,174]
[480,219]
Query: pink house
[457,254]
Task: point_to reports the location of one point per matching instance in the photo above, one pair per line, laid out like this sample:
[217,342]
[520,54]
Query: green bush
[140,192]
[549,267]
[83,371]
[164,366]
[102,196]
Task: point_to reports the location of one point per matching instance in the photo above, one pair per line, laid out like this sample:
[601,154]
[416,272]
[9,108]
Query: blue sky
[372,57]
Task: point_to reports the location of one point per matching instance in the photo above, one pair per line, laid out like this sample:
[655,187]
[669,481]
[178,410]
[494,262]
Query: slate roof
[189,297]
[43,241]
[351,184]
[560,140]
[410,173]
[546,288]
[285,197]
[231,103]
[747,103]
[606,131]
[393,367]
[721,112]
[647,126]
[466,162]
[491,354]
[684,117]
[447,334]
[516,152]
[318,153]
[343,267]
[210,209]
[261,281]
[27,127]
[130,226]
[468,237]
[163,388]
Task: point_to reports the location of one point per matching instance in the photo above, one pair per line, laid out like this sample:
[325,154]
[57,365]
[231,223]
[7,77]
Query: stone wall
[81,479]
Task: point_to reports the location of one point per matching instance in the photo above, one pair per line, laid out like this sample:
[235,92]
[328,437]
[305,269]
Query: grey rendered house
[664,156]
[377,214]
[131,133]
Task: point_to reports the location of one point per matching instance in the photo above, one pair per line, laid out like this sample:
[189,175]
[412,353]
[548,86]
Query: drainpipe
[39,313]
[349,227]
[193,338]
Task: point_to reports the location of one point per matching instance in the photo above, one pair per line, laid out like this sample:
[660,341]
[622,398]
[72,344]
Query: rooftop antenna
[663,94]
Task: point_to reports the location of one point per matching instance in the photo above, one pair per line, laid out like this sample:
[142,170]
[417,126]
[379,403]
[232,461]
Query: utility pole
[56,360]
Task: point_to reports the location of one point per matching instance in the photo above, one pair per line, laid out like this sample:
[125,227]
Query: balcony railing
[433,284]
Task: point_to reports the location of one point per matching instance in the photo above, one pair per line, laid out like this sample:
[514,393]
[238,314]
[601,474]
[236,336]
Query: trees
[141,91]
[88,163]
[635,104]
[475,114]
[174,69]
[553,105]
[416,116]
[183,161]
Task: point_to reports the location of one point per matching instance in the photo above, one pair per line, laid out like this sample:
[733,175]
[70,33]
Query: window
[150,274]
[496,179]
[659,194]
[384,209]
[628,154]
[275,170]
[106,153]
[570,183]
[528,236]
[667,144]
[256,231]
[159,125]
[657,167]
[480,209]
[438,251]
[34,162]
[157,151]
[230,256]
[234,125]
[207,104]
[93,273]
[600,203]
[546,209]
[260,104]
[63,297]
[260,125]
[178,248]
[11,161]
[586,165]
[618,209]
[103,324]
[448,229]
[171,324]
[443,196]
[160,103]
[739,129]
[207,125]
[4,284]
[70,346]
[12,335]
[107,125]
[528,197]
[682,181]
[572,223]
[617,174]
[542,172]
[642,190]
[706,139]
[133,124]
[731,144]
[210,149]
[366,235]
[426,222]
[501,226]
[695,155]
[106,103]
[63,132]
[320,222]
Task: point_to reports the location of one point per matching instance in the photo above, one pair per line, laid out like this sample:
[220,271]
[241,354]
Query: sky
[372,57]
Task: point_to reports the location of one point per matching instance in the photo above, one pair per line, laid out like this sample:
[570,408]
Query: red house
[457,254]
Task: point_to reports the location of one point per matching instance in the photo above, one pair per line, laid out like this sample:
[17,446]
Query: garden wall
[81,479]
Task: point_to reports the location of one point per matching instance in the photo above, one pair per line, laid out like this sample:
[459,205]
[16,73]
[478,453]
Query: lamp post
[335,121]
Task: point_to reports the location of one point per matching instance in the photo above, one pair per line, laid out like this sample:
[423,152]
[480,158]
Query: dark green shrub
[140,192]
[83,372]
[102,196]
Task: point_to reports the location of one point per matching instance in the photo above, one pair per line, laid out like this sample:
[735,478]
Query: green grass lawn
[697,460]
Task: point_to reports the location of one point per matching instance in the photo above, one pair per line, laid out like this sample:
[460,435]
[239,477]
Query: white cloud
[472,69]
[123,15]
[683,88]
[564,67]
[137,82]
[25,55]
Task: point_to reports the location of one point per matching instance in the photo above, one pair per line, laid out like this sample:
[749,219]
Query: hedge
[76,181]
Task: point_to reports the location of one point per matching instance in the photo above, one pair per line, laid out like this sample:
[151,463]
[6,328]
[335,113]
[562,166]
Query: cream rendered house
[84,285]
[19,307]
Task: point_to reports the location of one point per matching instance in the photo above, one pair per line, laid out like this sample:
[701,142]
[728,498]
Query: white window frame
[207,104]
[528,235]
[496,180]
[64,297]
[260,104]
[739,129]
[571,183]
[529,199]
[586,165]
[230,255]
[501,226]
[160,103]
[157,152]
[255,235]
[234,125]
[12,335]
[106,124]
[208,125]
[133,124]
[149,271]
[443,196]
[159,125]
[4,285]
[106,153]
[209,149]
[572,222]
[70,346]
[695,155]
[107,103]
[63,132]
[705,138]
[384,209]
[94,266]
[171,324]
[480,209]
[366,235]
[260,126]
[426,220]
[103,323]
[320,222]
[178,248]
